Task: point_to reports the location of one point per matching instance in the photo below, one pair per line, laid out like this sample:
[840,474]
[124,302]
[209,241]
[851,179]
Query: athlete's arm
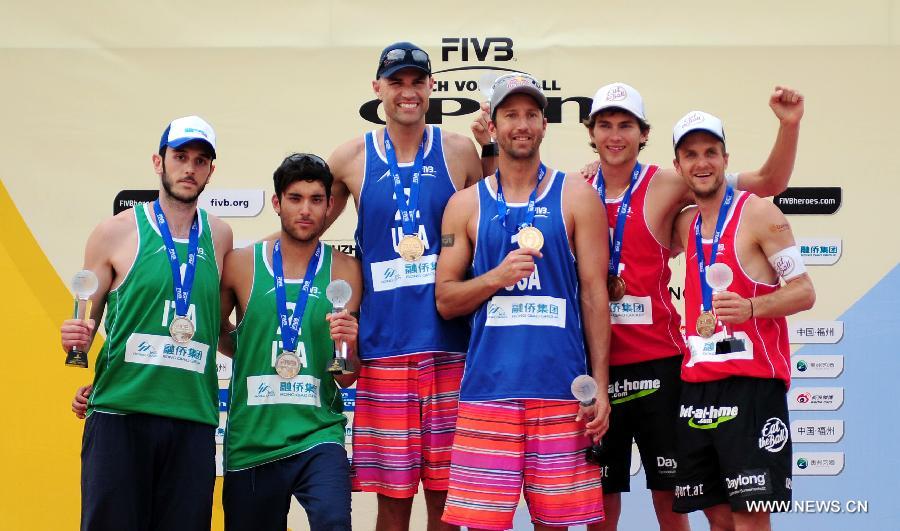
[455,295]
[462,159]
[482,136]
[344,326]
[772,178]
[97,258]
[343,163]
[589,242]
[770,234]
[680,230]
[234,292]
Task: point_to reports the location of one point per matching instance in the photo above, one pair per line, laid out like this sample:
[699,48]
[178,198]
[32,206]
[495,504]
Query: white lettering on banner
[398,273]
[272,389]
[704,350]
[526,310]
[631,310]
[149,349]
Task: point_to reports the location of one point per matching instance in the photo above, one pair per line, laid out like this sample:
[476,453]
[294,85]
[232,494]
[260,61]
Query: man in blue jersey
[401,178]
[521,232]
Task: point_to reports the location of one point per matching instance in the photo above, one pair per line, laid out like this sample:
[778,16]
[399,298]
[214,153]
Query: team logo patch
[617,93]
[774,435]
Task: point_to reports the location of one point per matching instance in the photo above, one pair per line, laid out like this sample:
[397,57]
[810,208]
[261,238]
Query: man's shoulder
[118,226]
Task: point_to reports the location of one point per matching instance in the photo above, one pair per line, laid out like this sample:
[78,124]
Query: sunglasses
[403,56]
[308,159]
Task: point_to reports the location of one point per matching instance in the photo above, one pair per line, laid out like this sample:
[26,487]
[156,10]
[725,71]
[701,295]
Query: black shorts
[146,472]
[644,408]
[734,444]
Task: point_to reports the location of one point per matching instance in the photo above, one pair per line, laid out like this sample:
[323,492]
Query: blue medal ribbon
[615,244]
[503,209]
[705,288]
[408,210]
[290,328]
[182,288]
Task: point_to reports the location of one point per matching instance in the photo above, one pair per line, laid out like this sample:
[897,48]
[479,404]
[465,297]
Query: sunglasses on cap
[308,159]
[402,56]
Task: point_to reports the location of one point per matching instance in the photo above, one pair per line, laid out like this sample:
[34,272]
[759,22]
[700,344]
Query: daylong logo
[625,390]
[467,63]
[774,435]
[708,417]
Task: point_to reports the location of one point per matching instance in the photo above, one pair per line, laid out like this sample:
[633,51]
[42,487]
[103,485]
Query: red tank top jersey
[645,324]
[767,348]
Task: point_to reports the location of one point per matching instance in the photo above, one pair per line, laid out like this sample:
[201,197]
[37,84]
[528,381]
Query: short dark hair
[591,120]
[302,167]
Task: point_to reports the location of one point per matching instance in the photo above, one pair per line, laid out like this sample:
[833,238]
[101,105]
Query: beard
[709,192]
[169,183]
[303,236]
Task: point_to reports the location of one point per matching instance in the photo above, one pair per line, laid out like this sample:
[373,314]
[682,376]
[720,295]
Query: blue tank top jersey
[398,313]
[527,339]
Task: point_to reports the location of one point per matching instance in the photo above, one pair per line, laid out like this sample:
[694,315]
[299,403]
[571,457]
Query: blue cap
[402,55]
[188,129]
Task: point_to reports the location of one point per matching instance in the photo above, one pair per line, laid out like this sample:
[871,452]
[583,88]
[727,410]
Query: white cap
[697,121]
[618,96]
[188,129]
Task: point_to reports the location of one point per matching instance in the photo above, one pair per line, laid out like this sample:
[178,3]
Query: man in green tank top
[285,432]
[148,452]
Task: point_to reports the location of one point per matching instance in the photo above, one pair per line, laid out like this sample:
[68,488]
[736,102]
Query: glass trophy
[719,276]
[84,284]
[584,389]
[338,293]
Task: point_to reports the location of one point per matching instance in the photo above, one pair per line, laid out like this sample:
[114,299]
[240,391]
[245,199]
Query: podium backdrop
[88,87]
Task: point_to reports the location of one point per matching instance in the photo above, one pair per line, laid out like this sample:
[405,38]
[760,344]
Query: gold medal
[706,324]
[288,365]
[616,287]
[531,238]
[411,248]
[181,329]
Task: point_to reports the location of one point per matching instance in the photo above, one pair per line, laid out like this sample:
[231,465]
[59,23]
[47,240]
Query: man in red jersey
[733,444]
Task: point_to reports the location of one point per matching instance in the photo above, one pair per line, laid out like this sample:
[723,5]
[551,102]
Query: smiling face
[617,136]
[302,207]
[185,171]
[404,95]
[701,160]
[519,126]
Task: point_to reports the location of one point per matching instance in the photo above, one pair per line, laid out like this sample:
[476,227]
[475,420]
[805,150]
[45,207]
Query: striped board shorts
[501,445]
[404,421]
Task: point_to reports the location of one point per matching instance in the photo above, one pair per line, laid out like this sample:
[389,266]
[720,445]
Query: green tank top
[271,418]
[140,369]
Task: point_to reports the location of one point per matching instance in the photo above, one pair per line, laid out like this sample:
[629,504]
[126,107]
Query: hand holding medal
[706,321]
[338,293]
[84,284]
[719,276]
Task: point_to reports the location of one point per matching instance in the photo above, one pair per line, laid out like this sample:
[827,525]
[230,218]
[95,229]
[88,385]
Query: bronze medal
[181,329]
[531,237]
[616,286]
[411,248]
[288,365]
[706,324]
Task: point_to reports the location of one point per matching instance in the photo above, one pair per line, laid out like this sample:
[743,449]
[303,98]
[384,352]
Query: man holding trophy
[739,248]
[285,433]
[521,231]
[148,451]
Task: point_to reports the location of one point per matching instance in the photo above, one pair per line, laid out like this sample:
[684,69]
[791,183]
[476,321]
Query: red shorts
[501,445]
[404,421]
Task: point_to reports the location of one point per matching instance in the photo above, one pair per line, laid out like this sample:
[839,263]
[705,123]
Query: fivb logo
[481,48]
[708,417]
